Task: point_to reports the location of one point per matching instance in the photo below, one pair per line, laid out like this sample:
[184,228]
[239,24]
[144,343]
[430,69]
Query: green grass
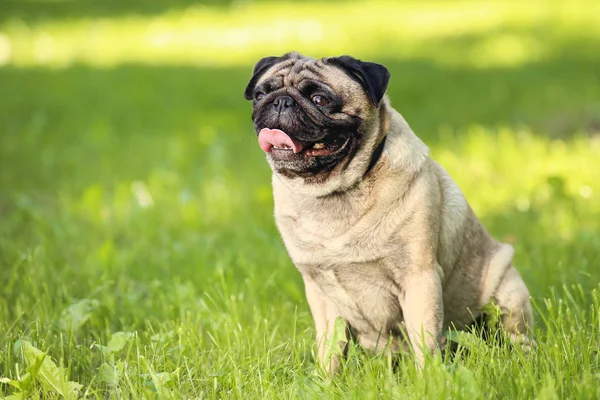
[134,197]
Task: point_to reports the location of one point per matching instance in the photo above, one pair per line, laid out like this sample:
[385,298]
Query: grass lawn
[138,253]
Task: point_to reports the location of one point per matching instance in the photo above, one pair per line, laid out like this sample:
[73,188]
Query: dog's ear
[259,69]
[372,76]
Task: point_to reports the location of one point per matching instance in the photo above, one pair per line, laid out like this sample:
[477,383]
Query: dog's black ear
[259,69]
[372,76]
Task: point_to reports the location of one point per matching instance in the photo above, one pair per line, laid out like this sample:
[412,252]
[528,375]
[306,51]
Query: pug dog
[383,237]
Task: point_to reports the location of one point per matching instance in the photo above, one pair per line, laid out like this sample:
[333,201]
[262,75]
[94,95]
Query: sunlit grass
[482,34]
[480,161]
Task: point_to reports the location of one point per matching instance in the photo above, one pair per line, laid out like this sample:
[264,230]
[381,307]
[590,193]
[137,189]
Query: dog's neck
[396,147]
[404,151]
[376,155]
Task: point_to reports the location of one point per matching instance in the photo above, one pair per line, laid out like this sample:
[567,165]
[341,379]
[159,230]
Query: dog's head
[319,121]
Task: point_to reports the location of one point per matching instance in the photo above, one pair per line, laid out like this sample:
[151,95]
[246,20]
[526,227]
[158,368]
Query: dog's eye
[259,95]
[319,100]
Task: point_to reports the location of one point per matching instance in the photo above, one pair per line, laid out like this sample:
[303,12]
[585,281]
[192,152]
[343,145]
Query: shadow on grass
[556,98]
[63,119]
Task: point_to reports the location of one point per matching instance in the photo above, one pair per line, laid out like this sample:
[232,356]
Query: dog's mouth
[281,146]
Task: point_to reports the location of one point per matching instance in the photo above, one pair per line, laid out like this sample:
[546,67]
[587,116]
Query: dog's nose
[283,102]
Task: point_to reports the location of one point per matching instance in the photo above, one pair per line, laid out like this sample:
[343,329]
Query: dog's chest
[334,231]
[365,294]
[351,264]
[348,246]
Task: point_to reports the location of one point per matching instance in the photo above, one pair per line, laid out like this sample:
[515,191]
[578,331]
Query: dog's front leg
[423,310]
[325,313]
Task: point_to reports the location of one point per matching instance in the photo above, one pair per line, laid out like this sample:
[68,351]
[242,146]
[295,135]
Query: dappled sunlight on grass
[480,34]
[504,167]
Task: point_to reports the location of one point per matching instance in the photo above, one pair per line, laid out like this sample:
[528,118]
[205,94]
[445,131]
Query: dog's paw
[523,342]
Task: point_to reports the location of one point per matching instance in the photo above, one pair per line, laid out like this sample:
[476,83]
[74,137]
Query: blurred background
[130,174]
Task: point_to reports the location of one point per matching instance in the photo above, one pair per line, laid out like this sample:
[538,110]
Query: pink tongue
[269,138]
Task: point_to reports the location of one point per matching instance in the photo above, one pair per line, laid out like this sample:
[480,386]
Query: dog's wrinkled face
[308,113]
